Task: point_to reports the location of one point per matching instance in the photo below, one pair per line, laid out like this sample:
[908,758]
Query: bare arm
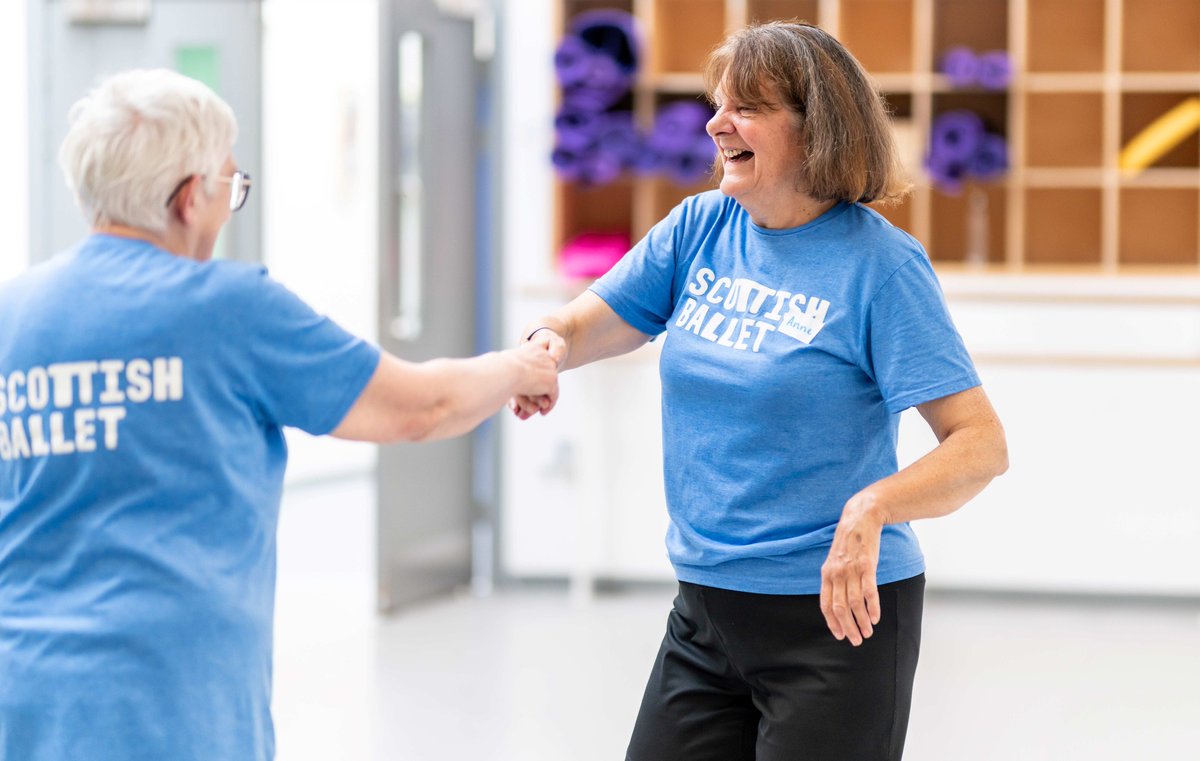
[441,398]
[970,453]
[585,330]
[590,330]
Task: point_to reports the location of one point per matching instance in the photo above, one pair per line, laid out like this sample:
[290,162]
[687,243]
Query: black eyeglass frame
[239,188]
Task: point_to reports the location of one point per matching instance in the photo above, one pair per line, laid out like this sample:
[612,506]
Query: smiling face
[760,147]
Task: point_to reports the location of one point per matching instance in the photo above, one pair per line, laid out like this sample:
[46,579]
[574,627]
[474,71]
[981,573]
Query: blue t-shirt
[789,355]
[142,454]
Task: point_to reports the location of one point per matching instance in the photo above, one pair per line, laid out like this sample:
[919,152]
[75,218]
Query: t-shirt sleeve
[915,353]
[299,368]
[640,287]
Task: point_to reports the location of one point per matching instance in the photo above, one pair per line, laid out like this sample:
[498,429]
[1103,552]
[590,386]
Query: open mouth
[737,155]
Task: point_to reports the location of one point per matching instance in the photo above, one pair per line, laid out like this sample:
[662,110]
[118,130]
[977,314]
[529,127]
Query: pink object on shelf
[592,254]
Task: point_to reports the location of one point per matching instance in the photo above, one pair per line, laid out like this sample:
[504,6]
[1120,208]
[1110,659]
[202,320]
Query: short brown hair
[851,153]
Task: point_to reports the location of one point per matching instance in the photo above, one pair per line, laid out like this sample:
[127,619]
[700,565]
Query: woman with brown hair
[800,324]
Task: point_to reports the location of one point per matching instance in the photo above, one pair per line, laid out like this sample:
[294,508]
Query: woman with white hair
[143,393]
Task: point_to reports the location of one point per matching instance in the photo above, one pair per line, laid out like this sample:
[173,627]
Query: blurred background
[435,173]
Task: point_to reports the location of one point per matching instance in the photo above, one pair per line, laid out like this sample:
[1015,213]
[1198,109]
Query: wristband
[535,330]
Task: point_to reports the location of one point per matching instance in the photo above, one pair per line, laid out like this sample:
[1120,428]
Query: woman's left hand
[849,596]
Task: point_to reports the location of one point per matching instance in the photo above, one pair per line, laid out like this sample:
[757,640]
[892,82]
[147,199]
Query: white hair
[135,137]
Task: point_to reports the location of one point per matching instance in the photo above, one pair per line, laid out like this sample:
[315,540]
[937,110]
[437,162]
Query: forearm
[591,331]
[465,392]
[940,482]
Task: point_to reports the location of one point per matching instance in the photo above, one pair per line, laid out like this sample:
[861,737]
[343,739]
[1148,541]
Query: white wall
[319,186]
[14,142]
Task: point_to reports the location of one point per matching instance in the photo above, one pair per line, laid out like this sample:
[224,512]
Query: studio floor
[526,674]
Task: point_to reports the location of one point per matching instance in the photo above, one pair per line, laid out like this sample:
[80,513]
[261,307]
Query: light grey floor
[527,675]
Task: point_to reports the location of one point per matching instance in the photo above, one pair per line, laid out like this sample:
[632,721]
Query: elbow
[999,455]
[1001,466]
[422,426]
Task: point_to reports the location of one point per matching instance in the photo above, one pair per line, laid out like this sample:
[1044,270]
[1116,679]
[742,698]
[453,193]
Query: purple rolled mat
[599,168]
[991,160]
[995,70]
[955,136]
[610,32]
[572,61]
[948,174]
[603,86]
[576,130]
[616,135]
[961,67]
[567,163]
[681,148]
[682,117]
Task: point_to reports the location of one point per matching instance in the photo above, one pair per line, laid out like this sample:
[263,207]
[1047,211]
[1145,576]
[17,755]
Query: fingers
[861,620]
[849,595]
[872,596]
[850,604]
[831,620]
[552,343]
[525,407]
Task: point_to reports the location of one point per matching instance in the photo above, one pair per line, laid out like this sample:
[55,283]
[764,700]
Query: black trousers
[752,677]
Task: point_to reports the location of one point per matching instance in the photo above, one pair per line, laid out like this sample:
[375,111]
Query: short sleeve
[640,288]
[914,351]
[299,368]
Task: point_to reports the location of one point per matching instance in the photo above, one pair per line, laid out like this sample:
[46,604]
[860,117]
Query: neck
[167,242]
[792,213]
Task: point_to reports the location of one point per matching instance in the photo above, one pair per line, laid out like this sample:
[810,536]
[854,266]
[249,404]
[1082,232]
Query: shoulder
[876,229]
[697,216]
[879,248]
[709,205]
[235,281]
[241,298]
[33,282]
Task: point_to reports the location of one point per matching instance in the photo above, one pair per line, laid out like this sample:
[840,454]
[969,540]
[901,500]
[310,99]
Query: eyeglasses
[239,188]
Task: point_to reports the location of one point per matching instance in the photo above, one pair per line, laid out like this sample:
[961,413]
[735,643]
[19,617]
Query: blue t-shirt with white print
[789,356]
[141,466]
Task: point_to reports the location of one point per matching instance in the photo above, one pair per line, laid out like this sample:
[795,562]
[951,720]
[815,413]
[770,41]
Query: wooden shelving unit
[1088,76]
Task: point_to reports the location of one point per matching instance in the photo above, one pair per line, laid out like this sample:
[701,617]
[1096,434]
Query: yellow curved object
[1163,134]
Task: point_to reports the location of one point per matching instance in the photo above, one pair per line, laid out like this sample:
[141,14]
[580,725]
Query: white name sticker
[800,326]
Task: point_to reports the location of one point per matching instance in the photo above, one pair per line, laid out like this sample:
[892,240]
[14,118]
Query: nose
[718,124]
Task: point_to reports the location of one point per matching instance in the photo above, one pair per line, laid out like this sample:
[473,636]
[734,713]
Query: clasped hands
[525,407]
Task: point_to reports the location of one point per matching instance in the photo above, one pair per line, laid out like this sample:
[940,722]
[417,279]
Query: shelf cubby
[1063,225]
[1064,129]
[1089,75]
[572,8]
[1160,226]
[1140,109]
[685,32]
[599,208]
[1053,22]
[782,10]
[879,33]
[950,239]
[992,107]
[1160,35]
[980,25]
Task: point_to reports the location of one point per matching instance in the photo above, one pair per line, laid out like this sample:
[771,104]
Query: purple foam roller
[995,70]
[955,136]
[991,159]
[961,67]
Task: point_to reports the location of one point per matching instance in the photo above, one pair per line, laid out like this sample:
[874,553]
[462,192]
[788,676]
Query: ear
[183,206]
